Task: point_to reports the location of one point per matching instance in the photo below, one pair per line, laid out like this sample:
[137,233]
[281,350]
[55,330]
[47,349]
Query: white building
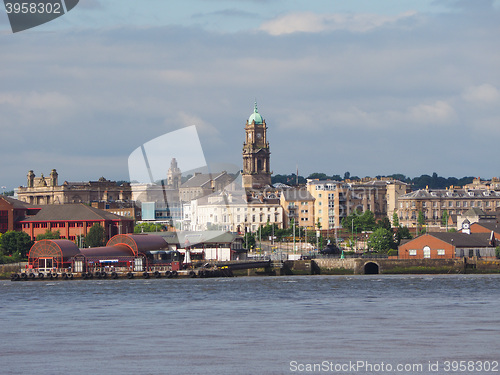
[234,212]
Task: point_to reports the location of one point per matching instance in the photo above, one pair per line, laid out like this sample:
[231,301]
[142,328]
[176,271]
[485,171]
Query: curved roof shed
[60,250]
[108,251]
[138,243]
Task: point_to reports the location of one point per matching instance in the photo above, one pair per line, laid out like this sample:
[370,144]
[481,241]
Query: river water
[252,325]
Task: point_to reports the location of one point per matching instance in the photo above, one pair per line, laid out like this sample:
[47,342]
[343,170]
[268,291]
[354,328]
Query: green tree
[497,252]
[444,218]
[96,236]
[359,222]
[395,219]
[49,235]
[13,242]
[421,221]
[401,233]
[317,175]
[149,227]
[384,223]
[381,240]
[249,240]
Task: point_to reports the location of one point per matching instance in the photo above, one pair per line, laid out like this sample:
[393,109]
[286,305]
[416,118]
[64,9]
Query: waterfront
[246,325]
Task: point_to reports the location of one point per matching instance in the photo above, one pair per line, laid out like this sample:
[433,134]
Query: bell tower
[256,154]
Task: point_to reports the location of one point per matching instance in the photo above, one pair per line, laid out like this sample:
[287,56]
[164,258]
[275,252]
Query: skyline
[373,89]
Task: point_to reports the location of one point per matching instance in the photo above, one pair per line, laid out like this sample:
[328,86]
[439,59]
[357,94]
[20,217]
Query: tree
[149,227]
[395,219]
[402,233]
[359,222]
[49,235]
[96,236]
[249,240]
[497,252]
[380,240]
[444,218]
[421,221]
[384,223]
[319,176]
[13,242]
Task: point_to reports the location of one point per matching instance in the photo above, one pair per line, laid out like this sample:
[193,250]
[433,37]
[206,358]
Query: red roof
[139,243]
[62,249]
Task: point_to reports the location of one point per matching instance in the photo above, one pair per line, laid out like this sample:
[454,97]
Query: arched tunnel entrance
[371,268]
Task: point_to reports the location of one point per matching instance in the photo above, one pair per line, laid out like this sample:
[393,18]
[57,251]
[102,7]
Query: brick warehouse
[73,220]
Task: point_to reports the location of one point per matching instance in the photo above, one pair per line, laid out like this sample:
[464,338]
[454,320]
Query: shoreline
[323,267]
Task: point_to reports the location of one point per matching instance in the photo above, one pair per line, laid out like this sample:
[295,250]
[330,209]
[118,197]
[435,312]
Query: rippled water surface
[246,325]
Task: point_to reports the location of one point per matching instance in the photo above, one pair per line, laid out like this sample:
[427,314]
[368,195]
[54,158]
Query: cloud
[308,22]
[485,93]
[49,108]
[439,112]
[233,12]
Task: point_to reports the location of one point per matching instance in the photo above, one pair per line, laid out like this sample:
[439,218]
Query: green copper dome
[255,116]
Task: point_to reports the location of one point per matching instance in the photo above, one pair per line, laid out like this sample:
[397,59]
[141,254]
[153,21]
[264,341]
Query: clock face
[259,136]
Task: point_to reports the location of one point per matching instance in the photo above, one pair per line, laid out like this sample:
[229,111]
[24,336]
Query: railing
[352,256]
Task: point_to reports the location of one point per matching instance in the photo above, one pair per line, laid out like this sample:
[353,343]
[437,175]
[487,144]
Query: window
[320,212]
[457,204]
[427,252]
[440,252]
[320,195]
[303,203]
[412,252]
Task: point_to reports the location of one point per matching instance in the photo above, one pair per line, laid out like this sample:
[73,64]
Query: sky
[369,87]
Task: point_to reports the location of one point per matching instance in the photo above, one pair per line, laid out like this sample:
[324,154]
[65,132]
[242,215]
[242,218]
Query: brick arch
[371,268]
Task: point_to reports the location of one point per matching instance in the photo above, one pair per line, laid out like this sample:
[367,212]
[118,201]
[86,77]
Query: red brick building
[73,220]
[486,227]
[445,245]
[12,211]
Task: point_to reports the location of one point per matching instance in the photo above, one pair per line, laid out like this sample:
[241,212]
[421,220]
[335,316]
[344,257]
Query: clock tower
[256,154]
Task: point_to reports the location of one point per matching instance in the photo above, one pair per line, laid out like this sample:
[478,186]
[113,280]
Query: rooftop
[72,212]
